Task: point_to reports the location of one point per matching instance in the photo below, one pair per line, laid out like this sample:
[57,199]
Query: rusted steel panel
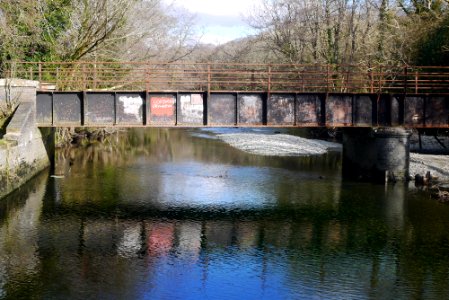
[129,108]
[250,108]
[44,109]
[437,111]
[162,109]
[222,109]
[309,109]
[190,109]
[100,109]
[67,109]
[383,110]
[363,110]
[339,110]
[396,110]
[281,109]
[414,111]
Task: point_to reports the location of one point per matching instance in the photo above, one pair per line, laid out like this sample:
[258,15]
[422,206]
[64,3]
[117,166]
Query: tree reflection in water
[120,226]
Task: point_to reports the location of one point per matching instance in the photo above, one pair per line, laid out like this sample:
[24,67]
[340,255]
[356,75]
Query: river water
[178,214]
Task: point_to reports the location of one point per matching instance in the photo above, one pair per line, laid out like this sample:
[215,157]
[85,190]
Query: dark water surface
[169,214]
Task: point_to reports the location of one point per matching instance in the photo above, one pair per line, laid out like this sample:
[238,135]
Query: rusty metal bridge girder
[230,109]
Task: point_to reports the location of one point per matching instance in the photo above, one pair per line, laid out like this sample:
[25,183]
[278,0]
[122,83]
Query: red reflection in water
[160,239]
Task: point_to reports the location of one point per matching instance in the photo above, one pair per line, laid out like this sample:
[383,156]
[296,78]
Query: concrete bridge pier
[379,154]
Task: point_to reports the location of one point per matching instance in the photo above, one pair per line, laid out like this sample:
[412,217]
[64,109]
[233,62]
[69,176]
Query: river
[179,214]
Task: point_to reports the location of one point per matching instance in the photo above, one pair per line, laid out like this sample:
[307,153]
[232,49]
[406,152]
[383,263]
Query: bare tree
[127,30]
[333,31]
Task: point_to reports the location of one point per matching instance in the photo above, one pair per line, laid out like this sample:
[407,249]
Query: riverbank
[430,155]
[436,164]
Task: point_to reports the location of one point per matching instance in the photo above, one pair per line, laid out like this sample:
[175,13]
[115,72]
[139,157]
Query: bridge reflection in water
[89,236]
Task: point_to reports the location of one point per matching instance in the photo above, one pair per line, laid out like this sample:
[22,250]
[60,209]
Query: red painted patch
[162,106]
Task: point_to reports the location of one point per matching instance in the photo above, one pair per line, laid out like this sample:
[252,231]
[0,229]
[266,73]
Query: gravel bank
[289,145]
[438,165]
[278,144]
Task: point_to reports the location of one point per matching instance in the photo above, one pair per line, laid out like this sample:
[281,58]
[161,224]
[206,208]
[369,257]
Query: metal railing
[159,76]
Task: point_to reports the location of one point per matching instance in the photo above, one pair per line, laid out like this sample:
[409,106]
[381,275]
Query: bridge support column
[380,155]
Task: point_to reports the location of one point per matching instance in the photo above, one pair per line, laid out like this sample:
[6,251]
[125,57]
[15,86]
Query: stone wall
[22,151]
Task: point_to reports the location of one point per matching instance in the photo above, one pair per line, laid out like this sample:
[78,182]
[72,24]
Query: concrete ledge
[17,82]
[19,163]
[22,151]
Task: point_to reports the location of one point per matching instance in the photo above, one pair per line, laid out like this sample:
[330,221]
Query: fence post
[371,88]
[208,79]
[416,82]
[84,78]
[405,79]
[95,76]
[57,76]
[380,79]
[327,78]
[269,80]
[40,72]
[147,78]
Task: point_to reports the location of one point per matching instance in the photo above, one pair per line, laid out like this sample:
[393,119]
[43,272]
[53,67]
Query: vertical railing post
[84,77]
[40,72]
[208,79]
[31,73]
[416,82]
[405,79]
[57,76]
[327,78]
[95,76]
[269,80]
[147,78]
[371,88]
[380,79]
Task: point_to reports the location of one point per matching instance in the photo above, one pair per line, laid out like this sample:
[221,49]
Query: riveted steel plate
[222,109]
[99,108]
[162,109]
[44,109]
[437,111]
[250,109]
[396,110]
[308,109]
[190,109]
[363,110]
[281,109]
[67,108]
[414,111]
[339,110]
[383,109]
[129,108]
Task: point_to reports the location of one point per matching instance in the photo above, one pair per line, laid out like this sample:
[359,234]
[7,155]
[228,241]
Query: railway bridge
[376,106]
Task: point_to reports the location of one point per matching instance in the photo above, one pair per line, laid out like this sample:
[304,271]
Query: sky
[220,21]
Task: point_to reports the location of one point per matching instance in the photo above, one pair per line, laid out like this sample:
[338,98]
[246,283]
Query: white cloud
[218,7]
[220,21]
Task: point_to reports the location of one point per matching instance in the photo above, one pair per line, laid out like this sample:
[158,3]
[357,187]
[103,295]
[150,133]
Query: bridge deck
[230,109]
[223,94]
